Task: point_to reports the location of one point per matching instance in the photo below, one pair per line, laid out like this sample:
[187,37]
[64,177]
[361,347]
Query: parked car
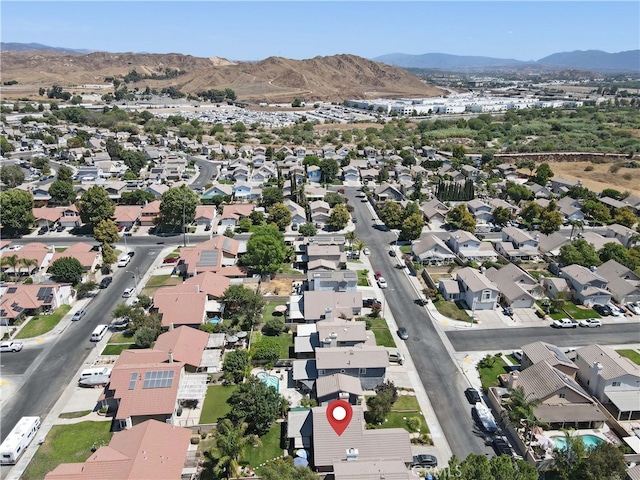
[508,311]
[170,260]
[615,311]
[131,254]
[365,251]
[382,283]
[79,314]
[564,323]
[120,228]
[44,229]
[424,460]
[472,395]
[392,252]
[207,228]
[370,302]
[105,282]
[12,346]
[603,310]
[60,228]
[403,334]
[128,292]
[591,322]
[501,447]
[634,308]
[377,275]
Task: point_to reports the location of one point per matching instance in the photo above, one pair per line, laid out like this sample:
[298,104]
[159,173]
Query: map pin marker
[339,415]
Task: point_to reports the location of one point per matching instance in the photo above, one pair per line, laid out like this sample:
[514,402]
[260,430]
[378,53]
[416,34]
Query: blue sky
[242,30]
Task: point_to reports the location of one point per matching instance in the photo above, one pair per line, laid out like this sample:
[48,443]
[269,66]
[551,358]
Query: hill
[589,60]
[32,47]
[274,79]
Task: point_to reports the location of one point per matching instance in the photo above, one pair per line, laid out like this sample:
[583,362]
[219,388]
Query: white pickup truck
[564,323]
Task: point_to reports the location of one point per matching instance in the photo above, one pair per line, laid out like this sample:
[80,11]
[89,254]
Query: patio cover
[628,401]
[569,413]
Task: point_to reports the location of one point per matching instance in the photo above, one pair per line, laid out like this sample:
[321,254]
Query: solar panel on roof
[209,258]
[560,355]
[132,380]
[158,379]
[12,290]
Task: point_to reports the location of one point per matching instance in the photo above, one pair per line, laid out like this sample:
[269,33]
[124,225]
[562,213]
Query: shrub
[195,440]
[588,168]
[274,327]
[414,424]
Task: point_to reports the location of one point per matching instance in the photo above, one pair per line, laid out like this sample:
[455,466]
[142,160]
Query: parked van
[95,372]
[124,261]
[99,332]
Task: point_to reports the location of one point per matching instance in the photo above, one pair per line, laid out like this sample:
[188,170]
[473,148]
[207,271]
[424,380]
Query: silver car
[11,346]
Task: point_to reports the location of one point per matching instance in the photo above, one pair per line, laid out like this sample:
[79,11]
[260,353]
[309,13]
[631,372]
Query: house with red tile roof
[127,215]
[213,284]
[65,216]
[38,252]
[143,385]
[18,300]
[180,305]
[186,345]
[151,450]
[231,214]
[205,214]
[149,213]
[210,256]
[83,252]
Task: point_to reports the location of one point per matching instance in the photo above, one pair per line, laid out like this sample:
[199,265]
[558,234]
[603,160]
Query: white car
[365,251]
[591,322]
[634,308]
[382,283]
[616,311]
[128,292]
[11,346]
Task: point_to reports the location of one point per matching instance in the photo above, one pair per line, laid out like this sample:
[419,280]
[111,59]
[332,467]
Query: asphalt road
[513,338]
[440,376]
[206,172]
[41,371]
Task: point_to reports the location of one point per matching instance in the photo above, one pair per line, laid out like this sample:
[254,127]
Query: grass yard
[384,337]
[116,349]
[579,313]
[42,324]
[60,249]
[406,402]
[67,444]
[377,323]
[451,310]
[513,360]
[79,414]
[215,404]
[269,449]
[489,371]
[363,280]
[405,407]
[632,355]
[285,341]
[160,280]
[269,309]
[120,338]
[405,249]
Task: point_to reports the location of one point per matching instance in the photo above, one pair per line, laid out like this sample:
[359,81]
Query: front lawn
[405,249]
[269,449]
[363,279]
[41,324]
[451,310]
[489,368]
[160,280]
[67,444]
[632,355]
[579,313]
[116,349]
[405,407]
[215,404]
[121,338]
[384,337]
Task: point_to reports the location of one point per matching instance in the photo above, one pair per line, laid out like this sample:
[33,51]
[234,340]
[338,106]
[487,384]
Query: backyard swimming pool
[269,380]
[589,441]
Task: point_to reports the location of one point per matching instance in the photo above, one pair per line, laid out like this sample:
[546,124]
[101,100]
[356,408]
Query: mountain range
[590,60]
[32,47]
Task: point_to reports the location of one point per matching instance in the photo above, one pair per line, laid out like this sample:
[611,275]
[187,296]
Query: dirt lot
[625,179]
[276,287]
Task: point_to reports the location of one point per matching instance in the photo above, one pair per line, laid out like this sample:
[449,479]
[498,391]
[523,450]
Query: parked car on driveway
[591,322]
[170,260]
[424,460]
[603,310]
[11,346]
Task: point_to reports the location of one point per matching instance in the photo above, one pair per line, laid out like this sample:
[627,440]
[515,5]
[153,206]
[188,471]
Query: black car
[60,228]
[131,254]
[106,281]
[501,447]
[472,395]
[603,310]
[370,302]
[392,253]
[424,460]
[44,229]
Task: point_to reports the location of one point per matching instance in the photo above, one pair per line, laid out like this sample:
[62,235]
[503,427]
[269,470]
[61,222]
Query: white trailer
[18,440]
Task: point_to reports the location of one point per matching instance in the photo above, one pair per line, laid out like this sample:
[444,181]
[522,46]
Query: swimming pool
[269,380]
[589,441]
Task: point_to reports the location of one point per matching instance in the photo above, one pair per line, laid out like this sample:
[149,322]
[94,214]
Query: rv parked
[18,440]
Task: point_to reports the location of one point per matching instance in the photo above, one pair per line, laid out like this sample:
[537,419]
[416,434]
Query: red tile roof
[82,252]
[179,307]
[237,210]
[210,283]
[185,343]
[151,450]
[127,213]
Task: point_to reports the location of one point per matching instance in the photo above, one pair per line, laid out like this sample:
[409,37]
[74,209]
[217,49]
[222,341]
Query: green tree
[531,212]
[412,227]
[333,199]
[329,169]
[284,469]
[481,467]
[11,261]
[95,205]
[84,288]
[16,211]
[551,220]
[543,174]
[255,403]
[177,208]
[380,405]
[266,250]
[28,264]
[106,231]
[339,218]
[575,225]
[5,146]
[605,461]
[624,216]
[392,214]
[611,193]
[235,365]
[109,256]
[41,163]
[501,215]
[267,350]
[244,225]
[518,193]
[529,165]
[271,196]
[458,151]
[242,305]
[136,197]
[307,229]
[460,217]
[279,215]
[67,270]
[11,176]
[615,251]
[144,337]
[64,174]
[62,193]
[113,148]
[579,252]
[230,442]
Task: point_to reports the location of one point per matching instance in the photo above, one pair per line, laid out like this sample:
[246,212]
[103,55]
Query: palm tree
[633,240]
[12,262]
[520,409]
[359,246]
[230,441]
[575,225]
[26,263]
[351,237]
